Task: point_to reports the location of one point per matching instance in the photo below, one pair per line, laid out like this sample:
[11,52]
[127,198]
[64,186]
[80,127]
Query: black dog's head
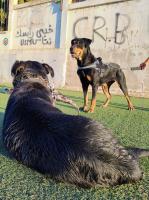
[80,47]
[23,70]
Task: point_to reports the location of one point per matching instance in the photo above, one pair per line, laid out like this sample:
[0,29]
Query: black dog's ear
[87,41]
[73,41]
[48,69]
[17,68]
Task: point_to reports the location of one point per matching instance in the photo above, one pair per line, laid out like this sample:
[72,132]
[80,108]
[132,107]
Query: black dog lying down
[72,149]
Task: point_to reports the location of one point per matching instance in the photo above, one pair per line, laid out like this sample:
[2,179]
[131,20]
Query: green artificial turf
[18,182]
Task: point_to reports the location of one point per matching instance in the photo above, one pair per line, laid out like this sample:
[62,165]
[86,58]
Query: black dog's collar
[94,65]
[97,65]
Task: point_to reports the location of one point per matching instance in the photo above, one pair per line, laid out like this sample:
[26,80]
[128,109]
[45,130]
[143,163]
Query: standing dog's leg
[130,105]
[108,95]
[105,88]
[85,93]
[122,84]
[93,101]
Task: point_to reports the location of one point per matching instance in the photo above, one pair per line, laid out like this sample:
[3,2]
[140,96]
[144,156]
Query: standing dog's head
[80,47]
[24,70]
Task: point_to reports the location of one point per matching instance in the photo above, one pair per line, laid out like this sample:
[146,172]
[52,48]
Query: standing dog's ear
[17,68]
[87,41]
[48,69]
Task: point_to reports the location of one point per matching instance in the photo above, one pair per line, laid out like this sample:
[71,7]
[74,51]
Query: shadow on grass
[122,106]
[114,105]
[67,106]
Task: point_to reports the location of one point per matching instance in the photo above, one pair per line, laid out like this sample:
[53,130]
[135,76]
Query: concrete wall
[119,31]
[38,30]
[34,26]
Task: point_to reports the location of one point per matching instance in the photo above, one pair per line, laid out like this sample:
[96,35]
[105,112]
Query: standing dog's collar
[94,65]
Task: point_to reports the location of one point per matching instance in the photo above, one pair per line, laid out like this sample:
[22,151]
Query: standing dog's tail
[138,152]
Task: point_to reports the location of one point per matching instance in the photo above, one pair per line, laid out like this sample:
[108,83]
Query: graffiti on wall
[37,26]
[4,40]
[122,23]
[41,36]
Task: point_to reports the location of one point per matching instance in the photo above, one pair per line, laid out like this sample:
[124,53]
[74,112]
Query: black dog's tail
[138,152]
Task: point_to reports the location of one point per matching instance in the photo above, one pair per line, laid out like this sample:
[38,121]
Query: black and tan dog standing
[72,149]
[92,71]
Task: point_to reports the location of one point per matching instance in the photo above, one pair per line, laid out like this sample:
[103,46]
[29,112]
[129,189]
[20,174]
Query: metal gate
[4,11]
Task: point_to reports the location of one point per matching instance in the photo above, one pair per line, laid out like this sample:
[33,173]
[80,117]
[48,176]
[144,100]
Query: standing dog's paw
[131,107]
[104,106]
[90,110]
[84,109]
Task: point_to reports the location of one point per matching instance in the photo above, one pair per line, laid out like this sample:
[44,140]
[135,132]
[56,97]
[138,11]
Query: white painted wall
[34,34]
[35,26]
[119,30]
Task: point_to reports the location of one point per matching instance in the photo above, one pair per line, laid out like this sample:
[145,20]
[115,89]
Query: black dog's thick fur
[67,148]
[102,75]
